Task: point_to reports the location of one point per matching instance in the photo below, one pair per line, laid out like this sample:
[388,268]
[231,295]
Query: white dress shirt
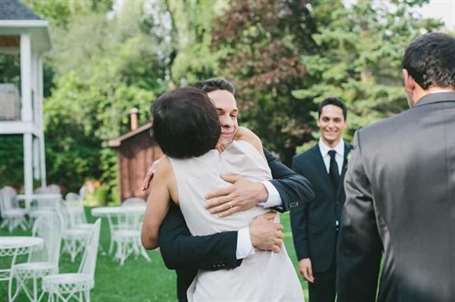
[244,245]
[339,156]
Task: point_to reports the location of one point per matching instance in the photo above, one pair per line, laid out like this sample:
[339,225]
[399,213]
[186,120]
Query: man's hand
[266,234]
[240,196]
[306,269]
[149,175]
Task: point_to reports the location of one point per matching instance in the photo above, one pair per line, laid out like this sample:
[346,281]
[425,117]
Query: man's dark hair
[215,84]
[430,60]
[335,102]
[185,123]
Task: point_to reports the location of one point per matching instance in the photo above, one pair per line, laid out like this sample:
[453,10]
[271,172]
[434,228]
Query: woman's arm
[249,136]
[157,204]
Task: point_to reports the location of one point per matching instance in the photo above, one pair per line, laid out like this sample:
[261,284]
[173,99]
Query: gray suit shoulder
[387,127]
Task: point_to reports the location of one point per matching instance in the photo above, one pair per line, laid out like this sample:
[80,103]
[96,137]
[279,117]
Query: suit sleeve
[359,245]
[299,224]
[181,250]
[294,189]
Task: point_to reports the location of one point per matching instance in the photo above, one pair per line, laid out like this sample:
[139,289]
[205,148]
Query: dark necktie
[333,170]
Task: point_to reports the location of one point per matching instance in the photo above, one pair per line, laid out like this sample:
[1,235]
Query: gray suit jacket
[400,202]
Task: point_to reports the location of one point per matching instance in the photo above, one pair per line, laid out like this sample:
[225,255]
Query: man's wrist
[244,244]
[273,198]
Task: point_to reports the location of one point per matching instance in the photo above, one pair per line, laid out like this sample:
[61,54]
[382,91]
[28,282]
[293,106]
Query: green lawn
[137,280]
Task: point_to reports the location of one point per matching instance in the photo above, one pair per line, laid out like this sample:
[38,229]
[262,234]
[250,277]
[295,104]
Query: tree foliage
[104,67]
[261,41]
[359,56]
[285,56]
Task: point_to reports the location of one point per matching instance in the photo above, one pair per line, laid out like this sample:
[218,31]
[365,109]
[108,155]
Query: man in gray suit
[400,190]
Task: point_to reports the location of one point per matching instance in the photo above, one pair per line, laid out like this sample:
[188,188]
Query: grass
[137,280]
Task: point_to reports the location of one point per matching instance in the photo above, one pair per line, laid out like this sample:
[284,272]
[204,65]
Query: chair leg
[10,288]
[35,290]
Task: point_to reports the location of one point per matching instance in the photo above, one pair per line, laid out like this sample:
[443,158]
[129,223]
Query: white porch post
[27,113]
[36,116]
[39,97]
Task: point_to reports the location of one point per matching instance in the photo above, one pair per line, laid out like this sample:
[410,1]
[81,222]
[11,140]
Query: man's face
[331,124]
[226,106]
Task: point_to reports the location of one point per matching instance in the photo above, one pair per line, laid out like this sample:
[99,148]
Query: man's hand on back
[149,175]
[241,195]
[266,234]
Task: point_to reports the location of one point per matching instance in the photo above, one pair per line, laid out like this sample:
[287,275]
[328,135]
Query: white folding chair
[126,235]
[40,263]
[74,237]
[53,188]
[12,216]
[76,286]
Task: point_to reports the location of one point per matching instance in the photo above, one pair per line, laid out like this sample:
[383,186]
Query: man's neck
[330,145]
[421,93]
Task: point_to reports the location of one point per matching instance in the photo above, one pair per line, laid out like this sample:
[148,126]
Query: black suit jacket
[186,254]
[400,201]
[314,224]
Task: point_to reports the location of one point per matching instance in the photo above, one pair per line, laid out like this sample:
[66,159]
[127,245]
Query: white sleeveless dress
[264,276]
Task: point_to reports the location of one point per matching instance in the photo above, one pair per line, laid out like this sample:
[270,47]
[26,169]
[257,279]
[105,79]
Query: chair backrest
[53,188]
[133,202]
[48,227]
[76,214]
[50,202]
[41,190]
[88,263]
[63,217]
[9,196]
[72,197]
[2,203]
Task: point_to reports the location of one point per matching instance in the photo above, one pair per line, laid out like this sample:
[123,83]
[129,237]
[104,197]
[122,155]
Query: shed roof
[117,141]
[15,10]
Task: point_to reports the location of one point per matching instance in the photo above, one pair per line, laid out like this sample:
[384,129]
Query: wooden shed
[136,152]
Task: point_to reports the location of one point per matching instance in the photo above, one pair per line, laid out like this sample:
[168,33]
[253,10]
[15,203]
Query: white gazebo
[24,34]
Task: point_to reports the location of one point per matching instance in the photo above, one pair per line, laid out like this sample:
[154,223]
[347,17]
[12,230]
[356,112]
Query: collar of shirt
[339,157]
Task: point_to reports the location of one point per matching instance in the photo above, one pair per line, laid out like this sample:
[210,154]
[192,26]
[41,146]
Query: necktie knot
[332,154]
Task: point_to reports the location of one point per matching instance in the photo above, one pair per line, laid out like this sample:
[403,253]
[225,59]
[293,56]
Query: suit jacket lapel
[319,162]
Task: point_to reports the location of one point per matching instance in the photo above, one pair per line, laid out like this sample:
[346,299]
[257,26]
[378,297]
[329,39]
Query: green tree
[104,66]
[358,57]
[192,58]
[260,42]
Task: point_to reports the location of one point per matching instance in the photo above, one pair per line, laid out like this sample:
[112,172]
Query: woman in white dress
[186,126]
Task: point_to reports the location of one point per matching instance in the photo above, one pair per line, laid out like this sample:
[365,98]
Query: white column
[39,95]
[27,114]
[36,157]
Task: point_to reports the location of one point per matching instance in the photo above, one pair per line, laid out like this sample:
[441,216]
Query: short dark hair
[185,123]
[215,84]
[333,100]
[430,60]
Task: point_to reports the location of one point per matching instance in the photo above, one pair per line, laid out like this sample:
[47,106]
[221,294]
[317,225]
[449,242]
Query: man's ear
[408,82]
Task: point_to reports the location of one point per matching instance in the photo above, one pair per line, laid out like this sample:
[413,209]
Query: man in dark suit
[400,190]
[315,224]
[187,254]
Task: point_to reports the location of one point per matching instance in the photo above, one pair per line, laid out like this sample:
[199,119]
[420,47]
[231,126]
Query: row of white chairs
[42,265]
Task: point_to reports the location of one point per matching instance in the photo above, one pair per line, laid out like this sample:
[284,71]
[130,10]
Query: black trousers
[323,289]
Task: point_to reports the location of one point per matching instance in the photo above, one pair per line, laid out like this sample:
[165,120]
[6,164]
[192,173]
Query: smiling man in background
[315,225]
